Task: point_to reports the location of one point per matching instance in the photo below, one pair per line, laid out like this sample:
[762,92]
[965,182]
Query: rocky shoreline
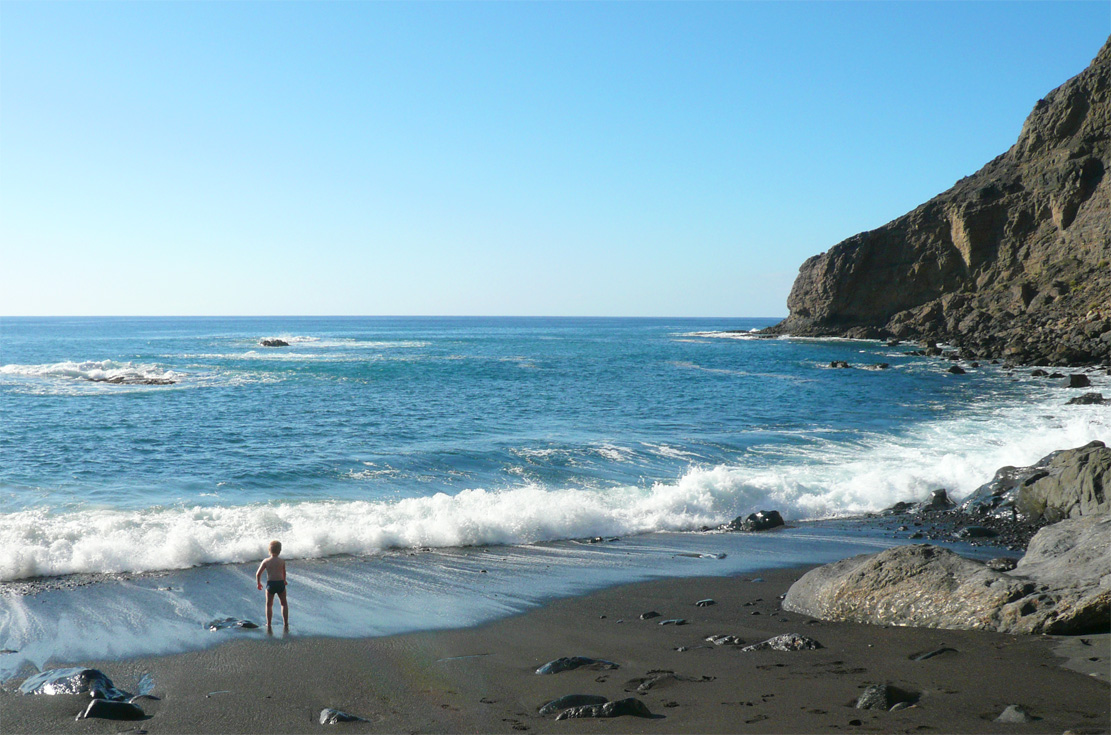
[1013,262]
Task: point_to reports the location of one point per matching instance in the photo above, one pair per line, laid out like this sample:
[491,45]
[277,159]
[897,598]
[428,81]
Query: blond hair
[275,548]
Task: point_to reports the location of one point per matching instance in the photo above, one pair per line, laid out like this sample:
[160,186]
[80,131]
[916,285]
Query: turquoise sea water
[368,434]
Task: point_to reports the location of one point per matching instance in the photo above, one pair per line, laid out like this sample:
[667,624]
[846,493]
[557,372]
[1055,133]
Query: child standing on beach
[274,566]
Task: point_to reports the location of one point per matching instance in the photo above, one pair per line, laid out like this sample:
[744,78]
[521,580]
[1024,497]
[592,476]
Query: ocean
[392,455]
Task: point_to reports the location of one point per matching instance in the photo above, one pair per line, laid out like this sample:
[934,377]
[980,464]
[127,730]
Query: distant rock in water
[132,380]
[1010,262]
[272,342]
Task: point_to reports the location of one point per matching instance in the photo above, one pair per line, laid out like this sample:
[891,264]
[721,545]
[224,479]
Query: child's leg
[269,607]
[285,609]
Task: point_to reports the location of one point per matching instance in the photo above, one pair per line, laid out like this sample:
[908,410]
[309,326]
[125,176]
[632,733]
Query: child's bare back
[276,581]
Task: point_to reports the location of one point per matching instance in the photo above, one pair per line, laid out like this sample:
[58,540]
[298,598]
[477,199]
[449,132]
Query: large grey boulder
[1064,484]
[1061,586]
[1075,484]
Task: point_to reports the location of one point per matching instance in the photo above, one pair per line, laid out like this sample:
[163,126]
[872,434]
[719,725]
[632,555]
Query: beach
[482,679]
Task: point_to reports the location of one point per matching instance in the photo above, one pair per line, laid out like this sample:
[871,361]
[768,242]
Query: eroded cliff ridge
[1013,261]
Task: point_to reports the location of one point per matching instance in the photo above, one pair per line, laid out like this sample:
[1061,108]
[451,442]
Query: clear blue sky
[499,158]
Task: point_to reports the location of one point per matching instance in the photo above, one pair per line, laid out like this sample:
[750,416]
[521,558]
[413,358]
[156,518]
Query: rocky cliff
[1013,261]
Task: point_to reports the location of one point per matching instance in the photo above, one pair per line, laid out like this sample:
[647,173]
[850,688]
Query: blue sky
[676,159]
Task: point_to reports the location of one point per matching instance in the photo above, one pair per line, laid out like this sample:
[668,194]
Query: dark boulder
[649,615]
[840,364]
[1078,380]
[956,370]
[272,342]
[1001,563]
[759,521]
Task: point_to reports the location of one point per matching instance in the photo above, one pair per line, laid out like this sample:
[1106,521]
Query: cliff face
[1013,261]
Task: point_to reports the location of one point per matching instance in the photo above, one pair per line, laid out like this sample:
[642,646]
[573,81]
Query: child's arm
[258,574]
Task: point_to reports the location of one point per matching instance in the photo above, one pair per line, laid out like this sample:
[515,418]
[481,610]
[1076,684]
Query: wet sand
[482,679]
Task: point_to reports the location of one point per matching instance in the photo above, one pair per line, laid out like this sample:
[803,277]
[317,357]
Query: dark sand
[482,679]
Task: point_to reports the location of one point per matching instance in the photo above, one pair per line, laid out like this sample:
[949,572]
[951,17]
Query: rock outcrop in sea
[1013,261]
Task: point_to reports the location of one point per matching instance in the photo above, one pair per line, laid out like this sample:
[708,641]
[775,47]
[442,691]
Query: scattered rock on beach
[575,662]
[956,370]
[724,640]
[73,681]
[329,716]
[925,655]
[1015,714]
[884,697]
[705,603]
[630,706]
[674,621]
[111,710]
[649,615]
[568,701]
[785,642]
[759,521]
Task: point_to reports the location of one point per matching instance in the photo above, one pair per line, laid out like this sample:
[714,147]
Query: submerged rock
[73,681]
[272,342]
[630,706]
[785,642]
[329,716]
[225,623]
[110,710]
[1088,399]
[568,701]
[575,662]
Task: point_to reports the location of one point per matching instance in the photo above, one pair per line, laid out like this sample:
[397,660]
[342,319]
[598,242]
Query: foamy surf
[816,478]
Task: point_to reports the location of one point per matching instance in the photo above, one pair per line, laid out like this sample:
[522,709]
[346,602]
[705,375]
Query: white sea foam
[90,376]
[815,479]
